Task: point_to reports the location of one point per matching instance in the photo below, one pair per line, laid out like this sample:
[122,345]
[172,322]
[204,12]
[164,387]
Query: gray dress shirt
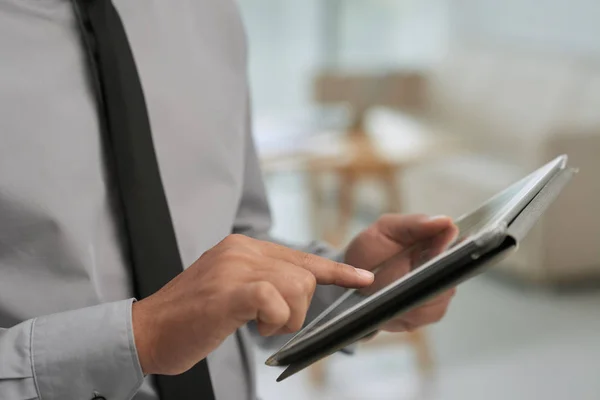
[65,286]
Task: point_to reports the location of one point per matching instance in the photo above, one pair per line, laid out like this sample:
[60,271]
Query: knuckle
[297,287]
[228,259]
[386,216]
[263,292]
[306,281]
[235,239]
[372,231]
[385,219]
[236,255]
[310,282]
[307,259]
[281,315]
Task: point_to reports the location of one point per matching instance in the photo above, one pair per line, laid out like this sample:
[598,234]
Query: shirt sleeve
[254,219]
[77,354]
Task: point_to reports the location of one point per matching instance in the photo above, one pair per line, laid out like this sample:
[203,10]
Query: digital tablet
[486,235]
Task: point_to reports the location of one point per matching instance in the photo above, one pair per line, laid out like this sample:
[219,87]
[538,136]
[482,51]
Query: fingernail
[436,217]
[365,274]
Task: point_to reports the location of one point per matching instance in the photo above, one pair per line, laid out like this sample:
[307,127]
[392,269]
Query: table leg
[318,373]
[345,208]
[420,345]
[316,202]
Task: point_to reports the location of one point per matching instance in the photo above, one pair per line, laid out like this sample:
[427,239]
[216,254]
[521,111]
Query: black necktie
[154,254]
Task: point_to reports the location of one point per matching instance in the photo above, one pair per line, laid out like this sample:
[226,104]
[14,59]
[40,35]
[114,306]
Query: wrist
[142,333]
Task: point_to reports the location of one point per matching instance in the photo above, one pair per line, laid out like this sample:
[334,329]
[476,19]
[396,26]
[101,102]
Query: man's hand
[237,281]
[411,238]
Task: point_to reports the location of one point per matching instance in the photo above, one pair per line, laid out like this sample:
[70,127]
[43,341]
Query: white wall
[287,37]
[284,47]
[571,27]
[288,42]
[393,33]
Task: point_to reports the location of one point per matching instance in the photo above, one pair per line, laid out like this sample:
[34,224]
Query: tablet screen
[391,272]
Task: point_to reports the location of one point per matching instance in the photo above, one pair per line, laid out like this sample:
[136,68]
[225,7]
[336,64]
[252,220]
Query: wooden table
[397,142]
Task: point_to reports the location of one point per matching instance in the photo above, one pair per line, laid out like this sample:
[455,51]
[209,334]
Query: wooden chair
[365,165]
[400,90]
[359,160]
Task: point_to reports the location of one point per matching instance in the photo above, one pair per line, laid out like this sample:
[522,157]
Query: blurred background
[363,107]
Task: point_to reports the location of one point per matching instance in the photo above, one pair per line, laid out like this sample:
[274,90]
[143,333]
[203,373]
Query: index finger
[326,271]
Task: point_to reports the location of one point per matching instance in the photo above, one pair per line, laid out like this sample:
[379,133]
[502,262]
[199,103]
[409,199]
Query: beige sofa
[515,111]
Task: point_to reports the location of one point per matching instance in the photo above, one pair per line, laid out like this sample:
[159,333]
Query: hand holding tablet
[426,269]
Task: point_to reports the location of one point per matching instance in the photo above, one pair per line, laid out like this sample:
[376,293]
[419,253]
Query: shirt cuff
[85,353]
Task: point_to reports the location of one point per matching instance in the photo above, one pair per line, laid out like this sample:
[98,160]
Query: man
[84,224]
